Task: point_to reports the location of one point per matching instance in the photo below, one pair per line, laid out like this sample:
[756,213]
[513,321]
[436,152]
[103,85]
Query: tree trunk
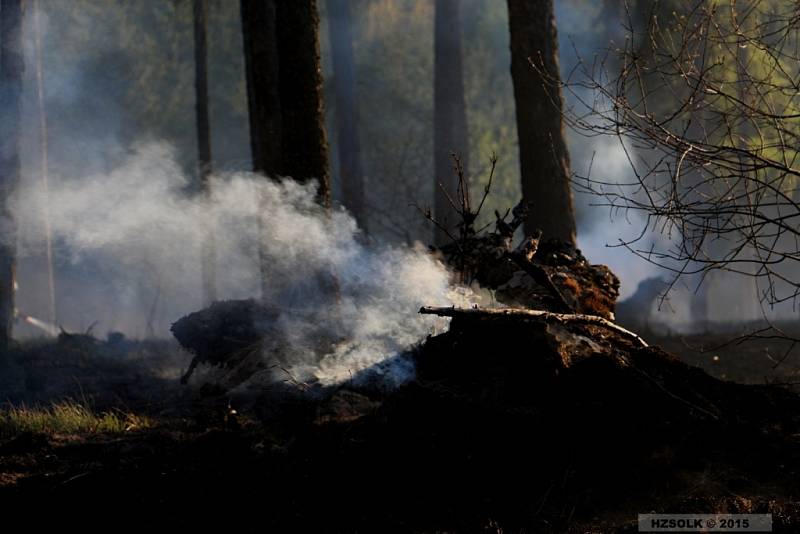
[208,260]
[304,143]
[284,93]
[284,90]
[11,69]
[263,101]
[52,316]
[544,159]
[348,141]
[449,113]
[261,69]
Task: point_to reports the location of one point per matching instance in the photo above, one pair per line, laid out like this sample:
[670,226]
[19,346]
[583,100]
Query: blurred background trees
[706,101]
[11,76]
[122,73]
[450,130]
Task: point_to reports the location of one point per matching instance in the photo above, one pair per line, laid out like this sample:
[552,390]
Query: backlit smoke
[140,233]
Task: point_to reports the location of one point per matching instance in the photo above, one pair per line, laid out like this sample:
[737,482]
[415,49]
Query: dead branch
[522,313]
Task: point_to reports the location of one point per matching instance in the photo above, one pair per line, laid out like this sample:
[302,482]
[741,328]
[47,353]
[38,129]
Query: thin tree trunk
[304,143]
[52,316]
[11,70]
[449,113]
[208,260]
[344,86]
[544,159]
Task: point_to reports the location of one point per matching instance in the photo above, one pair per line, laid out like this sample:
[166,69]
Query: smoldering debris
[134,238]
[255,344]
[140,235]
[529,396]
[540,400]
[245,341]
[224,333]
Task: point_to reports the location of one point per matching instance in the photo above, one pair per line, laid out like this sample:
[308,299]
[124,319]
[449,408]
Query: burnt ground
[749,361]
[504,430]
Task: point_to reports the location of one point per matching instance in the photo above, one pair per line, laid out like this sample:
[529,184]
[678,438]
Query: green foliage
[728,72]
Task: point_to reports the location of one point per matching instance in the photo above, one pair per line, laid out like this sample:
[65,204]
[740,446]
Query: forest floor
[488,438]
[754,361]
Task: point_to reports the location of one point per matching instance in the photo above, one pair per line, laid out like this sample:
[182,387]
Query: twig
[522,313]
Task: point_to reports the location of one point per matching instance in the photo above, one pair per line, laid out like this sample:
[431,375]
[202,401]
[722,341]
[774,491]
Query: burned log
[223,334]
[245,337]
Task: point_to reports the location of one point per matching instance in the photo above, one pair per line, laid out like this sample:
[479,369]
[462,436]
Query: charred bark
[304,143]
[347,138]
[261,69]
[449,113]
[263,100]
[285,95]
[284,90]
[544,159]
[11,70]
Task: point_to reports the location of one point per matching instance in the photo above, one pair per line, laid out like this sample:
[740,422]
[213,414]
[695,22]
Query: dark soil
[511,426]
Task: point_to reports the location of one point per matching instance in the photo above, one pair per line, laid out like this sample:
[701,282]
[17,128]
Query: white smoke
[142,235]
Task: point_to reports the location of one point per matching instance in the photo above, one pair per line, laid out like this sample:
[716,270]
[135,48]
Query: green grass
[67,417]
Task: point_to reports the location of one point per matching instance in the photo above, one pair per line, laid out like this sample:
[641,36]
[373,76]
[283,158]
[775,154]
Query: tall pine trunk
[304,142]
[261,70]
[544,159]
[263,101]
[449,113]
[284,94]
[284,90]
[208,253]
[344,86]
[11,70]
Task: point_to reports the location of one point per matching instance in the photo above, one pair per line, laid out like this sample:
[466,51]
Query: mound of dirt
[542,425]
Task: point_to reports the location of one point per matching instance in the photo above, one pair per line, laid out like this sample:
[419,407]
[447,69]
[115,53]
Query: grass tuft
[67,417]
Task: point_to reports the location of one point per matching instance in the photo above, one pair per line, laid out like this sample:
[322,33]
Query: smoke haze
[127,233]
[140,234]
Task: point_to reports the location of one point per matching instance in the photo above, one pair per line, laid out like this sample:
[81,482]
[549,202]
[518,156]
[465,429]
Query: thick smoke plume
[139,230]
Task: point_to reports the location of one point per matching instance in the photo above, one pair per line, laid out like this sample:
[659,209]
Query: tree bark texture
[261,69]
[285,93]
[285,96]
[304,140]
[544,158]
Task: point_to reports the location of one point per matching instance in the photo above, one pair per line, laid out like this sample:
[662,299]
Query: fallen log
[538,314]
